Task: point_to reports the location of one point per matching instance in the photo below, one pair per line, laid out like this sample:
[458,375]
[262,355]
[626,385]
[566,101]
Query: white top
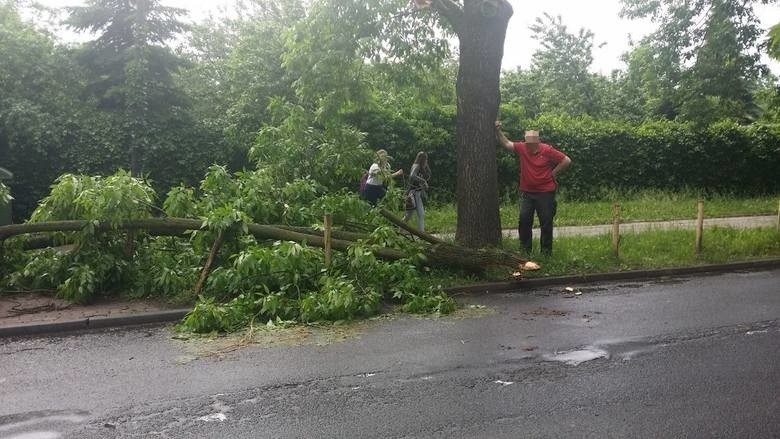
[374,176]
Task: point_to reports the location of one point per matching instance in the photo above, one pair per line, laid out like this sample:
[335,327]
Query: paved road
[681,357]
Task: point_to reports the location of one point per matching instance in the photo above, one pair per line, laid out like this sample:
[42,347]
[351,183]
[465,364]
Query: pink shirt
[536,169]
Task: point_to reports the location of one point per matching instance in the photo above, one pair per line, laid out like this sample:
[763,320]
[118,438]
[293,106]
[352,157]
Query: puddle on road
[623,349]
[574,358]
[13,426]
[214,417]
[36,435]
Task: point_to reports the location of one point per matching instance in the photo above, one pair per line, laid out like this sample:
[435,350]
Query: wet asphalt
[675,357]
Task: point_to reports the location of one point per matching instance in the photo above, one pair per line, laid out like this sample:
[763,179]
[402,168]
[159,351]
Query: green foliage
[267,281]
[163,267]
[115,198]
[561,65]
[656,249]
[287,282]
[298,147]
[131,72]
[338,299]
[705,55]
[310,89]
[5,194]
[97,263]
[658,154]
[773,47]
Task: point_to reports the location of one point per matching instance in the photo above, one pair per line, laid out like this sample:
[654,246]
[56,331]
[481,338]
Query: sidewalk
[740,222]
[41,309]
[44,313]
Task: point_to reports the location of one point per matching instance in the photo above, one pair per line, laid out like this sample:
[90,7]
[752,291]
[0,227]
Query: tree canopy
[310,88]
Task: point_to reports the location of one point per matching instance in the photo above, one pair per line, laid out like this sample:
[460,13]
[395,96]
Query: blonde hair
[381,156]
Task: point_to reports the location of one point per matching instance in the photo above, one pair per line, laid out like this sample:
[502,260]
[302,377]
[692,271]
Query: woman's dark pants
[373,193]
[545,206]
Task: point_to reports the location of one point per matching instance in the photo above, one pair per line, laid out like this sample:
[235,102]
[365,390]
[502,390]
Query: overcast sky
[600,16]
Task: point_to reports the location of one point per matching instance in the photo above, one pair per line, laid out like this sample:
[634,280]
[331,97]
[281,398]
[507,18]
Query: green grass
[641,206]
[653,249]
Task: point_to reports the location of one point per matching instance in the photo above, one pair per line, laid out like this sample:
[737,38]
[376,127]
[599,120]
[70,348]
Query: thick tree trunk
[481,32]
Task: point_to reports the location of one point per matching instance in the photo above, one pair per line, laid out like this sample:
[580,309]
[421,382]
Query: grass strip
[577,255]
[646,206]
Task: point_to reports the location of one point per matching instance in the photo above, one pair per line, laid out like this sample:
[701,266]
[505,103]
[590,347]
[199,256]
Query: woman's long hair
[422,161]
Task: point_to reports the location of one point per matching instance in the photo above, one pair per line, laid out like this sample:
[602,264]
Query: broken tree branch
[440,254]
[204,274]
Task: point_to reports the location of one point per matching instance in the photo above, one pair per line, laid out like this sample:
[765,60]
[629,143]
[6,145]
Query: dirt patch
[30,308]
[217,346]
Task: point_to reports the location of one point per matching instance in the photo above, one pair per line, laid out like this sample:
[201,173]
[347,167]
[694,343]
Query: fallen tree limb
[338,234]
[400,223]
[440,254]
[204,274]
[178,226]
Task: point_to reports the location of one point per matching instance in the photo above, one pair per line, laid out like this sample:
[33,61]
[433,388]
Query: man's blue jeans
[545,206]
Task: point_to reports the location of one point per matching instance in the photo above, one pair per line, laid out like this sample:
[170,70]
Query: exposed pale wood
[699,226]
[616,230]
[335,233]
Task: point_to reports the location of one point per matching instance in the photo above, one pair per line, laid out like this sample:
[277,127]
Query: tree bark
[204,274]
[481,32]
[400,223]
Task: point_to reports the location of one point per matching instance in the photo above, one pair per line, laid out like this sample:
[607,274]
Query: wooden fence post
[328,240]
[616,229]
[778,215]
[699,226]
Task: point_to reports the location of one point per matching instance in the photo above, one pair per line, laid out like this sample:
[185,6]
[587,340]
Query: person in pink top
[539,165]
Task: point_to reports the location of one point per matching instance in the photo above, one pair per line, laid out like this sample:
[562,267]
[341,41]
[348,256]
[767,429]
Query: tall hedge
[607,154]
[723,157]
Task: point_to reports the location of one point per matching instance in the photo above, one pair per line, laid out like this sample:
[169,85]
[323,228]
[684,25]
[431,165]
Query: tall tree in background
[328,53]
[131,67]
[707,53]
[562,65]
[773,44]
[649,85]
[45,125]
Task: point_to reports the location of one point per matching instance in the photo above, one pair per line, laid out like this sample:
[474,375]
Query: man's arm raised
[506,143]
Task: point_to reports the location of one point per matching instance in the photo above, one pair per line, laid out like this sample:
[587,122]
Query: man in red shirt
[539,164]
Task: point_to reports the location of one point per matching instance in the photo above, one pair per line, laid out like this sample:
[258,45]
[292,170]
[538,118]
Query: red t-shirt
[536,170]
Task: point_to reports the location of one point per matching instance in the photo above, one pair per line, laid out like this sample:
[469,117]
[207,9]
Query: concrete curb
[94,323]
[519,286]
[487,288]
